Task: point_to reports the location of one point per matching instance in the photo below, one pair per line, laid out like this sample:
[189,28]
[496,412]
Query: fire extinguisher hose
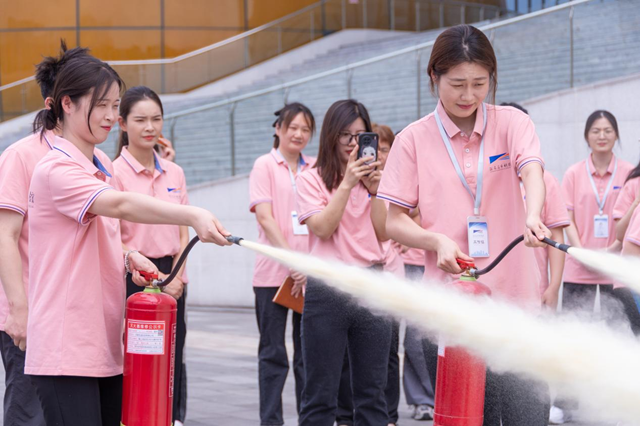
[183,257]
[478,272]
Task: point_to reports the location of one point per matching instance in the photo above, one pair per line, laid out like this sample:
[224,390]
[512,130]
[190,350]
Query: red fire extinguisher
[460,380]
[150,345]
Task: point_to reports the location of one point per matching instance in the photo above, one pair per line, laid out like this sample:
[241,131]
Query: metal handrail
[241,36]
[352,66]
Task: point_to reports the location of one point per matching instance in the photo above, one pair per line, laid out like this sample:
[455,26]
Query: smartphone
[368,146]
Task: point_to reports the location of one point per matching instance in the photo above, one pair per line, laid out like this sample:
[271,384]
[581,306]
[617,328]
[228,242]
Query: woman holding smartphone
[337,201]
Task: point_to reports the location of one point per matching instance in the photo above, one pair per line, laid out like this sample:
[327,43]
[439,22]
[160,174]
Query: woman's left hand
[372,180]
[534,232]
[299,281]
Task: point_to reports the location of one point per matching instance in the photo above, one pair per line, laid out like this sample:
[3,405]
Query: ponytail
[46,119]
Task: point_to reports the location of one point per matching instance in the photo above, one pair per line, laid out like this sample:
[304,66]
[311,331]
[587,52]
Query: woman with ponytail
[76,289]
[21,405]
[272,190]
[139,169]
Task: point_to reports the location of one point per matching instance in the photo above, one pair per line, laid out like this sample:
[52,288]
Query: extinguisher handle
[465,264]
[183,257]
[148,276]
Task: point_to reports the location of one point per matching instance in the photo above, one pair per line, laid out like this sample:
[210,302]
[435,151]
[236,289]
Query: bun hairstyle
[129,100]
[287,114]
[48,69]
[80,76]
[460,44]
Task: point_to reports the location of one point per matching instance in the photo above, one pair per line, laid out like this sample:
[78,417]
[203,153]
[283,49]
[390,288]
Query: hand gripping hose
[153,278]
[477,272]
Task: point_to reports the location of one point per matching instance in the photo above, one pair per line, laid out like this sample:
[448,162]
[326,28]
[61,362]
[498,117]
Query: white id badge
[298,229]
[478,235]
[601,226]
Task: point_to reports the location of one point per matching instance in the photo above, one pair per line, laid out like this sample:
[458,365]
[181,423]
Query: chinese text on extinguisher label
[145,337]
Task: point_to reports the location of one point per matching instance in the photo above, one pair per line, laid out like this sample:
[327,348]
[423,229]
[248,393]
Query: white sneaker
[178,423]
[557,416]
[423,412]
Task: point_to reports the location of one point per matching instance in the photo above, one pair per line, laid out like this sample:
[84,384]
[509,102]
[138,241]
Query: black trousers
[333,323]
[80,401]
[513,401]
[21,404]
[420,357]
[273,362]
[164,264]
[344,413]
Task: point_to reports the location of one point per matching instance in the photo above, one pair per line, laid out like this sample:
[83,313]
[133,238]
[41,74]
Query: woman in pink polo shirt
[591,188]
[461,165]
[630,247]
[272,190]
[337,201]
[140,170]
[627,202]
[76,291]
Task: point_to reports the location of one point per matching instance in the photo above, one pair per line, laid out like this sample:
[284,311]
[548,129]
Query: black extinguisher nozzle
[234,240]
[563,247]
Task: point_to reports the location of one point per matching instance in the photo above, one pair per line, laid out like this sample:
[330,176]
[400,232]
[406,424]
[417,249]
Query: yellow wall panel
[204,13]
[21,51]
[179,42]
[37,14]
[123,44]
[119,13]
[261,12]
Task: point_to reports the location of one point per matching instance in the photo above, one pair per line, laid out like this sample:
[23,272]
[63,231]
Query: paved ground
[222,370]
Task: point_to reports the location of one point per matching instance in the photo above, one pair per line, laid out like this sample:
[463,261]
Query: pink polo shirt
[270,182]
[354,241]
[16,168]
[579,196]
[627,196]
[632,236]
[413,256]
[419,173]
[76,286]
[166,183]
[554,215]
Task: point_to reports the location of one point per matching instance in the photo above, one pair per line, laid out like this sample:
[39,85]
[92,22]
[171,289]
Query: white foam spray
[623,269]
[595,364]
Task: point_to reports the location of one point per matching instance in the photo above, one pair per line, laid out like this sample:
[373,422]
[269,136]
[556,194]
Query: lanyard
[477,199]
[606,192]
[293,179]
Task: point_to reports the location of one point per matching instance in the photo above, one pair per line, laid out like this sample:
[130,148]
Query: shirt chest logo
[174,190]
[499,162]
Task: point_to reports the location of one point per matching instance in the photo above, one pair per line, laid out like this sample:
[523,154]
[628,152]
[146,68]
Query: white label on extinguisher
[145,337]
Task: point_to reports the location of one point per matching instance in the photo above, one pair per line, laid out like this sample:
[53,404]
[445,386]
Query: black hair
[49,67]
[338,118]
[516,106]
[80,76]
[601,114]
[287,114]
[130,98]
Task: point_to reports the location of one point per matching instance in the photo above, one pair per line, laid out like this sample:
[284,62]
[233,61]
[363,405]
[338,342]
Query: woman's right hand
[356,169]
[209,228]
[448,253]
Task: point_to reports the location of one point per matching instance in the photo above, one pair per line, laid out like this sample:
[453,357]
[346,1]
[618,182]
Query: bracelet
[127,266]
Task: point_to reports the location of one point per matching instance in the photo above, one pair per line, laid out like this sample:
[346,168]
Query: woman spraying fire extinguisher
[460,166]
